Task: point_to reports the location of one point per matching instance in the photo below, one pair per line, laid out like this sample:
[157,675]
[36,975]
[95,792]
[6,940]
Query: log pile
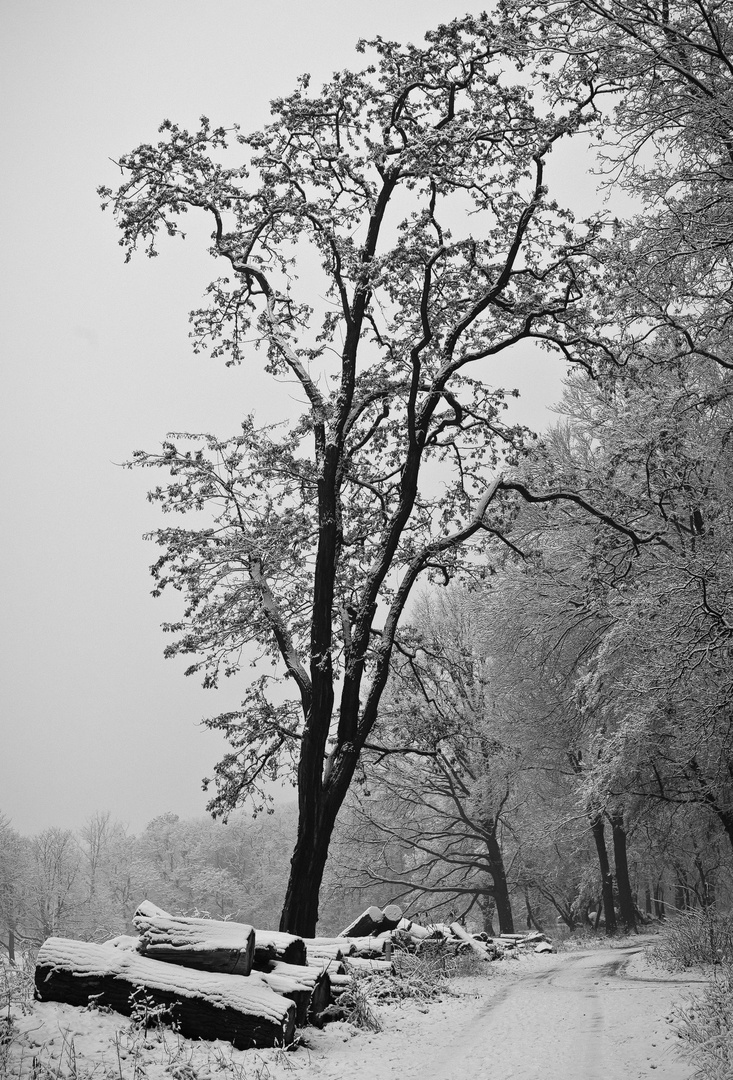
[214,980]
[203,1004]
[227,980]
[414,937]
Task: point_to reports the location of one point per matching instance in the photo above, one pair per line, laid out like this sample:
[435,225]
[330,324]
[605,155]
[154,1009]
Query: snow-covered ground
[573,1016]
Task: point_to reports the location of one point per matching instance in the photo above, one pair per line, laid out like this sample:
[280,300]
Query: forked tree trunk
[300,910]
[606,875]
[319,803]
[621,862]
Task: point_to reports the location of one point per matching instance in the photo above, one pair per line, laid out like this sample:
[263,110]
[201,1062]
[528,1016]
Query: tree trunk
[625,896]
[606,875]
[316,820]
[501,888]
[659,900]
[531,917]
[486,904]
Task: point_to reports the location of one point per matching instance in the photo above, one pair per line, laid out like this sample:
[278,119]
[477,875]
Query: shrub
[695,938]
[705,1026]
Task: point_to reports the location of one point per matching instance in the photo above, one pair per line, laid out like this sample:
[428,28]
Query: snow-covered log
[415,930]
[326,963]
[370,967]
[373,921]
[368,947]
[204,1004]
[317,983]
[477,946]
[326,948]
[287,947]
[205,944]
[123,941]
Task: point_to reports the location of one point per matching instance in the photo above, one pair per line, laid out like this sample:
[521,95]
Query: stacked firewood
[413,936]
[214,980]
[226,980]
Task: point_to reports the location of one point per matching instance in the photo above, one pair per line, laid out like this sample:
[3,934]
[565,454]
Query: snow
[557,1017]
[193,935]
[86,959]
[278,940]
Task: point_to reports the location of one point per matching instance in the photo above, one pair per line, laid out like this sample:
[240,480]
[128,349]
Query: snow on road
[597,1015]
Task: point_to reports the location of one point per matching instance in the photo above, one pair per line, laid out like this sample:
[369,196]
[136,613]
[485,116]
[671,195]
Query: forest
[494,663]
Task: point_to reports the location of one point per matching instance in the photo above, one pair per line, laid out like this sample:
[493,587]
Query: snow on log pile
[227,947]
[226,980]
[414,938]
[204,1004]
[373,921]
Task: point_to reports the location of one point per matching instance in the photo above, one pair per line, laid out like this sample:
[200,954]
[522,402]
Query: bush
[705,1026]
[695,938]
[705,1022]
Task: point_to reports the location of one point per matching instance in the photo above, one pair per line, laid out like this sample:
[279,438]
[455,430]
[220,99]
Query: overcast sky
[97,363]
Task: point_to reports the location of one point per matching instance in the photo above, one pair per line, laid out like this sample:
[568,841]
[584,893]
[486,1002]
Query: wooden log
[370,967]
[392,916]
[478,947]
[317,980]
[369,922]
[123,941]
[205,944]
[326,963]
[204,1004]
[323,948]
[287,947]
[151,911]
[413,929]
[368,947]
[286,986]
[263,957]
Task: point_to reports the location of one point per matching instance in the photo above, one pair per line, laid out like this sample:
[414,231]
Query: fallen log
[205,944]
[373,921]
[325,949]
[370,967]
[368,947]
[317,982]
[477,946]
[123,941]
[333,965]
[367,923]
[287,947]
[415,930]
[204,1005]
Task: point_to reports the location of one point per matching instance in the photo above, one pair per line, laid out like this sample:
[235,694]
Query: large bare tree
[413,198]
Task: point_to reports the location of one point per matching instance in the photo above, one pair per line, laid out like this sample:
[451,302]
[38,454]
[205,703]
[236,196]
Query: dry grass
[704,1023]
[694,939]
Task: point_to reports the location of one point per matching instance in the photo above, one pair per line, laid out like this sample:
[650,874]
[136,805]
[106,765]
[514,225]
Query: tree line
[417,195]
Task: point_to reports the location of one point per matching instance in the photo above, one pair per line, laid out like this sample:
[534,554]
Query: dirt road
[584,1016]
[580,1018]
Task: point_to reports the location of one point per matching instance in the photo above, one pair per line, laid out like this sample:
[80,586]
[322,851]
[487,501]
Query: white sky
[96,363]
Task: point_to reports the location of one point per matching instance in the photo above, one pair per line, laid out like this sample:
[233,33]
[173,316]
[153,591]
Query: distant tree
[11,877]
[55,895]
[414,198]
[439,774]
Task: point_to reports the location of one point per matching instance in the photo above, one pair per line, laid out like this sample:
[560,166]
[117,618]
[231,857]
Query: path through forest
[574,1016]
